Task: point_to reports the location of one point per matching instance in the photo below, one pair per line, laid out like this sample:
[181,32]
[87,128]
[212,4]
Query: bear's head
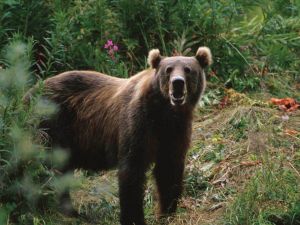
[181,79]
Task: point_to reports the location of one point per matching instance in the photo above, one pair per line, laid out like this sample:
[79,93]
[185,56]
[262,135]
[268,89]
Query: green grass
[270,197]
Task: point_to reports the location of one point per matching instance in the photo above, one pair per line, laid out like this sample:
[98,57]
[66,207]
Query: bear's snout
[177,90]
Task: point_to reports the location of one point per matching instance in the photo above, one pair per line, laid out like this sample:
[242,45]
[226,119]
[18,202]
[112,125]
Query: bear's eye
[187,69]
[169,69]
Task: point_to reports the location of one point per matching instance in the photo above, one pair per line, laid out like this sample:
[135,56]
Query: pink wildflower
[115,48]
[111,52]
[111,48]
[108,44]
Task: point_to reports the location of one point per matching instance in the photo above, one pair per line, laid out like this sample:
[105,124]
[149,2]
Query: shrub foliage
[248,38]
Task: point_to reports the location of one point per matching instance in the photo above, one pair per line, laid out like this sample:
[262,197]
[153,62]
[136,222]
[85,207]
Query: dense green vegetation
[256,49]
[248,38]
[28,181]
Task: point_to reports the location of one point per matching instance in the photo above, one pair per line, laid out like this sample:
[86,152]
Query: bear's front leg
[131,192]
[168,173]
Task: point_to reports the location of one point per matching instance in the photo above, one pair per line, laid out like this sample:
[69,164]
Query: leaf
[291,132]
[224,102]
[286,104]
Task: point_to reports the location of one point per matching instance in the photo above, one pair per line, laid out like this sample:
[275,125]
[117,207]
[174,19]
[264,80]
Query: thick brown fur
[107,122]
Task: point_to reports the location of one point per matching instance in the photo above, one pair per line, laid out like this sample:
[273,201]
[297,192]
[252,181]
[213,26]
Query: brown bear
[107,122]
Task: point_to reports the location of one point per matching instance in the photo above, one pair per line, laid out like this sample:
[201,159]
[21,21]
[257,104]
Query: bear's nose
[178,86]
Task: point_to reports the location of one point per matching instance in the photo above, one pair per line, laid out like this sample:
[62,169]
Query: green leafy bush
[28,182]
[81,31]
[249,39]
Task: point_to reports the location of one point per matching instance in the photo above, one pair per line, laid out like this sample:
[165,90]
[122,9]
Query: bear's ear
[204,57]
[154,58]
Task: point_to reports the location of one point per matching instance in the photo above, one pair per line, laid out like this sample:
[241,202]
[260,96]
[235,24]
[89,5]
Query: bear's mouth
[177,99]
[177,90]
